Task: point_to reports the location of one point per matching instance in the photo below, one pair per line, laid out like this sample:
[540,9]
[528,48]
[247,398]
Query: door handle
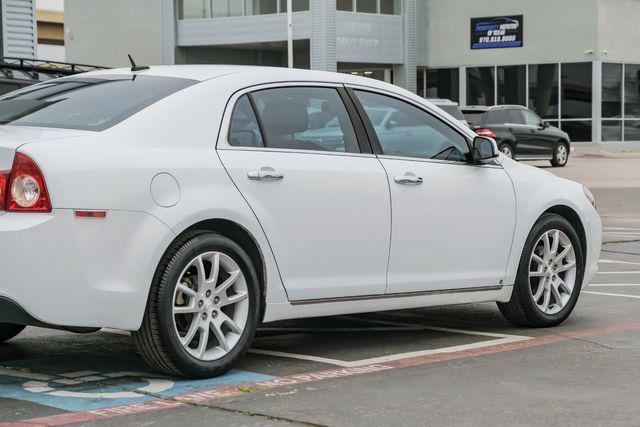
[408,180]
[265,174]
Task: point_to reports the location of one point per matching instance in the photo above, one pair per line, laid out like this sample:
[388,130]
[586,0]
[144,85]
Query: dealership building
[575,62]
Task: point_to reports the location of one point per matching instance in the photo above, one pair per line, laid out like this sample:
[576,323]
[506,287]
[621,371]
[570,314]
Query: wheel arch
[572,216]
[242,237]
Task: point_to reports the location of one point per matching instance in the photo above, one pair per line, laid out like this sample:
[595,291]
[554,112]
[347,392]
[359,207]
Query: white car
[177,203]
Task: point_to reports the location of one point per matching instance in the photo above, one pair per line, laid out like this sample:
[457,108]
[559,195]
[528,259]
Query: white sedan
[189,204]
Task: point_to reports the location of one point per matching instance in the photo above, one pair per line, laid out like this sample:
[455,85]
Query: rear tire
[8,331]
[546,276]
[560,155]
[192,326]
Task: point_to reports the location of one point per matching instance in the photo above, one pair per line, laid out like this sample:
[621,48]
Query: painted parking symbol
[90,382]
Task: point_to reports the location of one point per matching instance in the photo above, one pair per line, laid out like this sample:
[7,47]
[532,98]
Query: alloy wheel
[552,271]
[506,150]
[562,154]
[210,306]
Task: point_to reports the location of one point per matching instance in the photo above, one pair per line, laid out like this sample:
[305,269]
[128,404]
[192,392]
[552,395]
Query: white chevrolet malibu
[189,204]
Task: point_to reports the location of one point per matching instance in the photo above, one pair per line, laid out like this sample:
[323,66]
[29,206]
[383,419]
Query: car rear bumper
[81,272]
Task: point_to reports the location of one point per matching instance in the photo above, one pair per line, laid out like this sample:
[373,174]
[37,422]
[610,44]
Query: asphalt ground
[454,365]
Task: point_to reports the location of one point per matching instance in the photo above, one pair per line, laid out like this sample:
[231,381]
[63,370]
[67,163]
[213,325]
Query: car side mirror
[545,124]
[484,149]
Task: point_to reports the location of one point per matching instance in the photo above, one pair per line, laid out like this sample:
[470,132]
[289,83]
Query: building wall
[554,31]
[618,29]
[103,32]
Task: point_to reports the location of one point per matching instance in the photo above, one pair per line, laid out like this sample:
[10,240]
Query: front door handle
[265,174]
[408,180]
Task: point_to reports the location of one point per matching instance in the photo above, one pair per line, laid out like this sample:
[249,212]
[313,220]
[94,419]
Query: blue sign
[90,382]
[497,32]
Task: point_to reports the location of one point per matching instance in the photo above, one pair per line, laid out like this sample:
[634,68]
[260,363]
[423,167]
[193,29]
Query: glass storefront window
[194,9]
[297,5]
[611,91]
[227,8]
[345,5]
[443,83]
[265,7]
[631,91]
[420,82]
[578,130]
[480,86]
[632,130]
[576,90]
[367,6]
[612,130]
[512,85]
[390,7]
[543,90]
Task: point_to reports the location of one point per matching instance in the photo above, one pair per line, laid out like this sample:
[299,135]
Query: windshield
[475,118]
[90,103]
[451,109]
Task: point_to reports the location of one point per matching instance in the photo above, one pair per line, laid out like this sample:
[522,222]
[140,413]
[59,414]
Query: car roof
[483,108]
[257,73]
[441,101]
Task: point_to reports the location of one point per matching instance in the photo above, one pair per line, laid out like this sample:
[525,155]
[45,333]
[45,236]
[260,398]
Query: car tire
[506,149]
[186,293]
[560,155]
[9,330]
[527,304]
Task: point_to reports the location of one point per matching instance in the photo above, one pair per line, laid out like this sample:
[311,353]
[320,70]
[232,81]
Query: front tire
[560,155]
[9,330]
[203,308]
[549,275]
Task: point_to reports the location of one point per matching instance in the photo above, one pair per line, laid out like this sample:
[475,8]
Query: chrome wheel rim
[506,150]
[561,154]
[210,306]
[552,272]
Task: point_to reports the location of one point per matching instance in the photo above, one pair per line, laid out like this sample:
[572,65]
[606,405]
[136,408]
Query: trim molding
[395,295]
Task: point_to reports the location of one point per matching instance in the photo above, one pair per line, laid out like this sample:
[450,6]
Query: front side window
[89,103]
[531,119]
[409,131]
[305,118]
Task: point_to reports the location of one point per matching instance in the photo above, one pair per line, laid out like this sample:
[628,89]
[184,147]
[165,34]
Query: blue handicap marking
[88,382]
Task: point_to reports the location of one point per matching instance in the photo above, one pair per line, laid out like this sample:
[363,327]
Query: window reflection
[512,85]
[443,83]
[632,90]
[576,90]
[480,86]
[611,90]
[543,90]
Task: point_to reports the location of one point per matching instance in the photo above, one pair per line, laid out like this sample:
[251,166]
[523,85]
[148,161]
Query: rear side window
[515,117]
[305,118]
[496,117]
[244,130]
[475,118]
[89,103]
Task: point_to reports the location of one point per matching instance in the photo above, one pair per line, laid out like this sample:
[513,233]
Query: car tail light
[4,187]
[25,189]
[485,132]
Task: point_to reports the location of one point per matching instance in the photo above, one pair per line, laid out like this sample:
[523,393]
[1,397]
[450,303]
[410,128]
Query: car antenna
[135,67]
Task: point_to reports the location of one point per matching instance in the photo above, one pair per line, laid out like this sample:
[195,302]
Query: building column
[596,102]
[323,35]
[404,75]
[168,22]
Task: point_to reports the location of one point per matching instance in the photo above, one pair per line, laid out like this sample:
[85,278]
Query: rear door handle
[265,174]
[408,180]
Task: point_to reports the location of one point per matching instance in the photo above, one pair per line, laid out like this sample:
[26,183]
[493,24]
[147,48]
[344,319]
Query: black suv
[520,133]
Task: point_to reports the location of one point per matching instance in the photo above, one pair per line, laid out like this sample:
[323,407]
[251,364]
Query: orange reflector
[91,214]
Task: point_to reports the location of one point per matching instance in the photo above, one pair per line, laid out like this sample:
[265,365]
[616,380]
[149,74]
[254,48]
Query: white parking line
[615,261]
[613,284]
[611,295]
[399,326]
[619,272]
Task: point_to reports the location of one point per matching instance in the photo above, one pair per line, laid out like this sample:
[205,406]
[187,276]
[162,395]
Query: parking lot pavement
[459,365]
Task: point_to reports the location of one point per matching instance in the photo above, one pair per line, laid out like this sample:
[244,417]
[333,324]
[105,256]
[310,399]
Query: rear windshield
[90,103]
[451,109]
[475,118]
